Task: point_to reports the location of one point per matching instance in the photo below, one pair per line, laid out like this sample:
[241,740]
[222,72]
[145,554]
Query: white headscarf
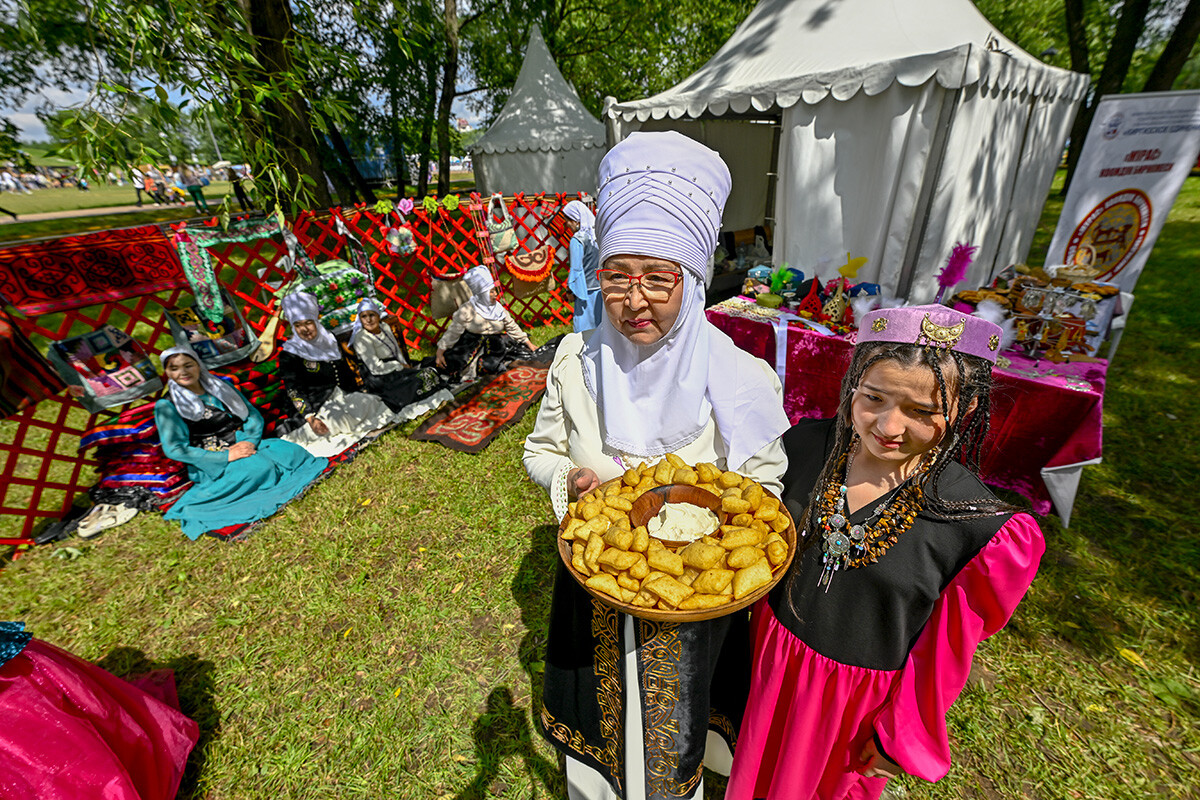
[324,347]
[187,402]
[385,333]
[578,211]
[661,195]
[481,283]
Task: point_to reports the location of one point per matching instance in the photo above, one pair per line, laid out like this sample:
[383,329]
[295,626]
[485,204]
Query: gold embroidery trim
[724,724]
[661,653]
[993,342]
[879,324]
[607,666]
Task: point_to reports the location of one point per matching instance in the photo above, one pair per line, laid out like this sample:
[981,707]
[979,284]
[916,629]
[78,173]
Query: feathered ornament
[994,312]
[961,256]
[863,305]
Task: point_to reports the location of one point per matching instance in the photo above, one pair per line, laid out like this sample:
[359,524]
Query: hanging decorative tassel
[961,256]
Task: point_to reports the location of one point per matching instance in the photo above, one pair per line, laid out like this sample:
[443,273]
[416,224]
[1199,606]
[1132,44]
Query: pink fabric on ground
[809,717]
[1043,414]
[72,730]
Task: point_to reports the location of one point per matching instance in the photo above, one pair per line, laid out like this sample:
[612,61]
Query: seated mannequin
[386,372]
[330,411]
[483,336]
[238,475]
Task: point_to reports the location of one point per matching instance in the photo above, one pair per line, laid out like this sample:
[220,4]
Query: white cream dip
[682,522]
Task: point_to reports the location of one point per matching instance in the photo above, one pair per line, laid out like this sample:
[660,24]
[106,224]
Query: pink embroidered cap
[932,326]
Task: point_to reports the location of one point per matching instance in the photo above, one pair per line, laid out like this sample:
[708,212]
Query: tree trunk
[397,147]
[287,119]
[1175,54]
[356,178]
[446,99]
[427,122]
[1116,66]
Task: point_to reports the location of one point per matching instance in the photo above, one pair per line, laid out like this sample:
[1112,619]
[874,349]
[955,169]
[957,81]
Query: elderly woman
[480,333]
[321,386]
[386,372]
[238,475]
[585,261]
[628,701]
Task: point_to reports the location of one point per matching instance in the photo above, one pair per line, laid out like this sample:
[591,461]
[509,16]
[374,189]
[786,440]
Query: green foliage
[623,48]
[10,149]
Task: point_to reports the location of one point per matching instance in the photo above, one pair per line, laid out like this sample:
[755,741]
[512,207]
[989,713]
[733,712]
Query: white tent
[889,129]
[544,140]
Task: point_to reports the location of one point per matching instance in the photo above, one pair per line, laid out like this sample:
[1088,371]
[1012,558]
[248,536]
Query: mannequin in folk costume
[386,371]
[238,475]
[481,332]
[633,705]
[585,261]
[906,564]
[331,413]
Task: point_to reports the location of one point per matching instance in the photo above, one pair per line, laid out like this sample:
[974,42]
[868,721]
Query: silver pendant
[857,534]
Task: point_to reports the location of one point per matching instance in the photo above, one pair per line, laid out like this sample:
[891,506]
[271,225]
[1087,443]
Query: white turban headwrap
[187,402]
[661,195]
[481,283]
[324,346]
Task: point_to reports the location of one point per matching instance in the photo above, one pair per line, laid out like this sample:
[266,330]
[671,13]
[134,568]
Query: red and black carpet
[472,425]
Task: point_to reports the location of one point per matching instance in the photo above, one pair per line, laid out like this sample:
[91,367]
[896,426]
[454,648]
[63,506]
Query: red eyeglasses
[656,285]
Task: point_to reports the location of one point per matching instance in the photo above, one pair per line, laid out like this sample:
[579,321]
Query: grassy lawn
[382,636]
[100,195]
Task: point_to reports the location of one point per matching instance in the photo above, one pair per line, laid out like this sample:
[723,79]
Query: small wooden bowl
[646,507]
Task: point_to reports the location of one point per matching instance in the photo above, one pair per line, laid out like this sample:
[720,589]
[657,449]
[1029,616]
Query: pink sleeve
[911,727]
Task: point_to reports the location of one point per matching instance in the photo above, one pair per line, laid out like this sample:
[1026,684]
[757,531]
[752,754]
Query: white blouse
[468,319]
[375,352]
[567,434]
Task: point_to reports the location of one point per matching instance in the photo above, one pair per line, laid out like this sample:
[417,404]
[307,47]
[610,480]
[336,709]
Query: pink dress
[882,655]
[72,730]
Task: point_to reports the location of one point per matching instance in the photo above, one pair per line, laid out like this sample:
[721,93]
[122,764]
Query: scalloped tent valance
[792,51]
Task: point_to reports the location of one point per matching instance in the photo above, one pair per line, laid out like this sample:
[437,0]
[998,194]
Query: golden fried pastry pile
[626,563]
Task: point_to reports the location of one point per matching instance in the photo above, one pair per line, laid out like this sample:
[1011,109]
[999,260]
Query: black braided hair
[970,384]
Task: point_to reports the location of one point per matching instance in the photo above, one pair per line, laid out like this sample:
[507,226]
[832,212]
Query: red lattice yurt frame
[75,284]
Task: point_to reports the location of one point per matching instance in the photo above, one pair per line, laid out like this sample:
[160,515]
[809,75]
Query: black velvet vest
[871,616]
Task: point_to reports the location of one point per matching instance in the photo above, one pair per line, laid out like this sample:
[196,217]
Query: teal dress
[230,492]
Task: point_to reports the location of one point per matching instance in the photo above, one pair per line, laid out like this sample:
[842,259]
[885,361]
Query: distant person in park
[330,411]
[386,371]
[74,730]
[482,336]
[635,706]
[191,182]
[138,181]
[239,191]
[906,563]
[238,475]
[585,261]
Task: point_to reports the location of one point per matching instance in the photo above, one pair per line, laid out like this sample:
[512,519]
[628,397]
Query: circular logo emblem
[1112,126]
[1115,228]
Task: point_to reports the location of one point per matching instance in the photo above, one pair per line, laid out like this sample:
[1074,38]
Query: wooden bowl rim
[658,615]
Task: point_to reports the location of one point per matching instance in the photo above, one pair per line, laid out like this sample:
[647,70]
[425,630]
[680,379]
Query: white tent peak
[791,50]
[543,112]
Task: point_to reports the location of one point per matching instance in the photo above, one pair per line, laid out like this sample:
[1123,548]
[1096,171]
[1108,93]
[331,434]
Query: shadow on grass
[196,687]
[501,732]
[504,729]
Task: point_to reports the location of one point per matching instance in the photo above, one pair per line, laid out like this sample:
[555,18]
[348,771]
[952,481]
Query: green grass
[100,195]
[382,636]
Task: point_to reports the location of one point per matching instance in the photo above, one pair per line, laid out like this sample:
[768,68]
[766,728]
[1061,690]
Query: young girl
[907,563]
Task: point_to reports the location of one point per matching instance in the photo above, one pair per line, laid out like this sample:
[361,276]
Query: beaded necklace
[865,542]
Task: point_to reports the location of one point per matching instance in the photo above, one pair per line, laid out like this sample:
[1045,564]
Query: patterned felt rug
[472,425]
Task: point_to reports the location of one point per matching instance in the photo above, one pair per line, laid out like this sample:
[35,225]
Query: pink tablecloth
[1043,414]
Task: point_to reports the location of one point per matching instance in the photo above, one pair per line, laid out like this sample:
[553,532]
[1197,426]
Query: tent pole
[933,173]
[773,178]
